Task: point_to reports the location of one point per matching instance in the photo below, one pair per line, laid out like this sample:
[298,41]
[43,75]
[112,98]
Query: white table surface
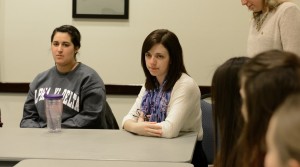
[17,144]
[91,163]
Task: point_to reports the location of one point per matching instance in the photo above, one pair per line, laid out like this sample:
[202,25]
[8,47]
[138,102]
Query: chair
[110,118]
[208,131]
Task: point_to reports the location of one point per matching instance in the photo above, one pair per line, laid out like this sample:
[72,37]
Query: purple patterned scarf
[155,104]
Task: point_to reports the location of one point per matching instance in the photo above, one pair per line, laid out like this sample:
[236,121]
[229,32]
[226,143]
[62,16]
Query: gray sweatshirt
[84,99]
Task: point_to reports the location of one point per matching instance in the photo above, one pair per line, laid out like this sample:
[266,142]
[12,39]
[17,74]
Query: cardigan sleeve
[184,113]
[134,107]
[290,29]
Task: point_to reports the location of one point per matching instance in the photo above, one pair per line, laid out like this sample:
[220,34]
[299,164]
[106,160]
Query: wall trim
[110,88]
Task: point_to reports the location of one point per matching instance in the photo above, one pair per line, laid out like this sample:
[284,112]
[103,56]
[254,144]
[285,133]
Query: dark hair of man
[269,78]
[226,105]
[170,41]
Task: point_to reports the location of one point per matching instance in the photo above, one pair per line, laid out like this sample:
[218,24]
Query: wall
[1,36]
[209,31]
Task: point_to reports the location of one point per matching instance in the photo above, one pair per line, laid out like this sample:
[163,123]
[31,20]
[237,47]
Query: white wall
[1,36]
[210,32]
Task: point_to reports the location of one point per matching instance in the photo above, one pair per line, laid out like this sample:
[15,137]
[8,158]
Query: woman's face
[254,5]
[63,50]
[158,61]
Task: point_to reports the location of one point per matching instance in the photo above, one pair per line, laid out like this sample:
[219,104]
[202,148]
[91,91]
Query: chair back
[110,118]
[208,131]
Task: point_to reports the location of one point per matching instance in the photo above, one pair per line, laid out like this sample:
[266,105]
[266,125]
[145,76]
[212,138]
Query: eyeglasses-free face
[253,5]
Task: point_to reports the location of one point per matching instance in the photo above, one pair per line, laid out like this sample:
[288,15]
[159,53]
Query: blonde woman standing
[275,25]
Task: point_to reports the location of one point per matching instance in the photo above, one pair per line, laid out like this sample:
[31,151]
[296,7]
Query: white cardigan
[183,114]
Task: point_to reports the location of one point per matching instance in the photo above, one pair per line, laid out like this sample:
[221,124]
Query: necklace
[260,20]
[63,69]
[75,65]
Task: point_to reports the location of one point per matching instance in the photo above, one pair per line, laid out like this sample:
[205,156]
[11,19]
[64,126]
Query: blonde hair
[287,129]
[268,6]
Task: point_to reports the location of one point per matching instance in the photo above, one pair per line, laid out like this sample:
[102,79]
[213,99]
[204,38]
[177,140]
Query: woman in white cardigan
[169,101]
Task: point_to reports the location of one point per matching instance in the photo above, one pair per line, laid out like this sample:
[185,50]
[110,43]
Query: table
[91,163]
[17,144]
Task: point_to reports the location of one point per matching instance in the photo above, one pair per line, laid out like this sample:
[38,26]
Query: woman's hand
[148,129]
[142,117]
[143,128]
